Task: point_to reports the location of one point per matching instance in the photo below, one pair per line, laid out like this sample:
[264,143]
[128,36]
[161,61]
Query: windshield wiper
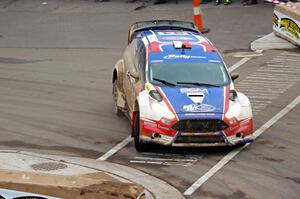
[164,82]
[198,84]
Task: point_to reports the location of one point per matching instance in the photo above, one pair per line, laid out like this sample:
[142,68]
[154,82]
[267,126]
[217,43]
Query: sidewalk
[88,171]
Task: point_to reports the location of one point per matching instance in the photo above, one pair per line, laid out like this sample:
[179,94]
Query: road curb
[156,188]
[271,41]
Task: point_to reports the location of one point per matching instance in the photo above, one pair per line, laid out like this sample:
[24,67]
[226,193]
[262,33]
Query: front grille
[200,139]
[200,125]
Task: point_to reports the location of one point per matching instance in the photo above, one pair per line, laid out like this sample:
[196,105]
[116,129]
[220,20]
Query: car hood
[198,102]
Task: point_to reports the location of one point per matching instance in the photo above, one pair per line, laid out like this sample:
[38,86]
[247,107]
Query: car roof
[178,45]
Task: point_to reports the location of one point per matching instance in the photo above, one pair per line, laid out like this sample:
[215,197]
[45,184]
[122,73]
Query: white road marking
[167,163]
[270,81]
[290,54]
[244,54]
[116,148]
[238,64]
[233,153]
[167,159]
[163,159]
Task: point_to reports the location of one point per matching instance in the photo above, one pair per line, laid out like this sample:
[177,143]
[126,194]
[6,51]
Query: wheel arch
[117,73]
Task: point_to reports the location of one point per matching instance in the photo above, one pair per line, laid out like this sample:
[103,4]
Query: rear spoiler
[162,25]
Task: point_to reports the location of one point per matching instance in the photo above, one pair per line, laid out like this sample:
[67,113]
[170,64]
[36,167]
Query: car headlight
[162,110]
[233,111]
[155,95]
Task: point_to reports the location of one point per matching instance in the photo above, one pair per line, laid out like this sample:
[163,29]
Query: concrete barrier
[92,185]
[286,22]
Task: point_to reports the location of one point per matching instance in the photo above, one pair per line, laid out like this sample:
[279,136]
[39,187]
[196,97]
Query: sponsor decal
[290,26]
[157,61]
[193,90]
[148,87]
[199,114]
[183,57]
[214,61]
[275,20]
[164,128]
[172,33]
[287,26]
[198,108]
[177,38]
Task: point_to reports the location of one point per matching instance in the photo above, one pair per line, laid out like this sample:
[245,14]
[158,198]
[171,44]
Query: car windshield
[186,73]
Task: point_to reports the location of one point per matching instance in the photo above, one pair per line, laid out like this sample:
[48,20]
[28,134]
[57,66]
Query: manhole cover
[48,166]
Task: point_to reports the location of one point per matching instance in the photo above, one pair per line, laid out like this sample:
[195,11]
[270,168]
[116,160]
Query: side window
[142,61]
[136,61]
[138,53]
[133,51]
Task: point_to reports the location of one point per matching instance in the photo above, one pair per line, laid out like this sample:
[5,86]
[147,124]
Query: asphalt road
[55,84]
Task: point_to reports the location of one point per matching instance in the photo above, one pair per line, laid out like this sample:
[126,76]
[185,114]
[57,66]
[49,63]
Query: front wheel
[139,146]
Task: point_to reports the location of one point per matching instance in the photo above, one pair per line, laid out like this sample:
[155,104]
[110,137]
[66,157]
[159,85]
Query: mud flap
[132,123]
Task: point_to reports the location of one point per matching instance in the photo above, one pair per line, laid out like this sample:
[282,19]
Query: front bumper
[155,132]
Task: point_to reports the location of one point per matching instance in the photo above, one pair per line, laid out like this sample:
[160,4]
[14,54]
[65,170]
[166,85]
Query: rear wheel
[139,146]
[115,98]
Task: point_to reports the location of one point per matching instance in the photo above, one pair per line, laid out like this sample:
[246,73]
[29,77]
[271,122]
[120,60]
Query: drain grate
[49,166]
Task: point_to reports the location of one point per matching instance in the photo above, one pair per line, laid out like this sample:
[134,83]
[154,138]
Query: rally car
[176,90]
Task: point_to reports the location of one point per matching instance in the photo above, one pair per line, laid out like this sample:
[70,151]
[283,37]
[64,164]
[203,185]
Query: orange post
[197,15]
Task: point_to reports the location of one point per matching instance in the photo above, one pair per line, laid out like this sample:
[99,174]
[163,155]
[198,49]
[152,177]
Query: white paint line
[282,65]
[273,78]
[238,64]
[250,88]
[185,164]
[261,97]
[259,82]
[281,68]
[278,71]
[266,86]
[167,159]
[263,75]
[240,55]
[261,92]
[287,57]
[116,148]
[233,153]
[290,54]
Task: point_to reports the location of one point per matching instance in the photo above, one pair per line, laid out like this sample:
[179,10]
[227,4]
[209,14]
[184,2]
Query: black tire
[117,110]
[139,146]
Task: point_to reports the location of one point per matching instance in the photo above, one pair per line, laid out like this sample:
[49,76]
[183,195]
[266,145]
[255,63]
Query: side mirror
[134,75]
[234,76]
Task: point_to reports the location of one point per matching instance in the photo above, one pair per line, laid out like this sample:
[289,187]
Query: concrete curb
[156,188]
[271,41]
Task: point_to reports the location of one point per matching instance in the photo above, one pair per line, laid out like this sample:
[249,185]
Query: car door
[139,63]
[131,66]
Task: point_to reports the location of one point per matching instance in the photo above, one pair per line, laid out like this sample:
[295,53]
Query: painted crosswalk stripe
[164,161]
[116,148]
[271,80]
[217,167]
